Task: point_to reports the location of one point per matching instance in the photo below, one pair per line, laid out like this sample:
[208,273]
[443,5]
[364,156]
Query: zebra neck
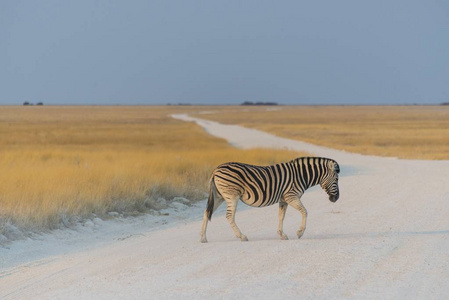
[309,174]
[312,181]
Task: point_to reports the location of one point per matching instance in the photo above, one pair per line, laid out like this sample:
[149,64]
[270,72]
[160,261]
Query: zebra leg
[296,203]
[217,203]
[204,228]
[282,209]
[230,215]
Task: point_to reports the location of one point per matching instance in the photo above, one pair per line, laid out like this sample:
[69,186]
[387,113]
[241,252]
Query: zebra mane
[305,158]
[311,157]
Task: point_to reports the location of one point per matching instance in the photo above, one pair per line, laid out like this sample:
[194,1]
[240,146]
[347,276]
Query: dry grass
[64,163]
[413,132]
[60,164]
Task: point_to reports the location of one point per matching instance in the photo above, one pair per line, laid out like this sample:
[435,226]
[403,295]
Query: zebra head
[329,181]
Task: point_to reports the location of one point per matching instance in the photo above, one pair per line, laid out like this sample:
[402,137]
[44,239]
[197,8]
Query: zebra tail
[211,200]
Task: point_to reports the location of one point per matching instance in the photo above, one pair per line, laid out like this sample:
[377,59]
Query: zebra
[260,186]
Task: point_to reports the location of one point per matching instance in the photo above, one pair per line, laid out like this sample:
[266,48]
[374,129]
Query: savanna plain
[61,164]
[385,238]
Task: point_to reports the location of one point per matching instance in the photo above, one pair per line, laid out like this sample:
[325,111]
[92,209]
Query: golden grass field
[59,164]
[412,132]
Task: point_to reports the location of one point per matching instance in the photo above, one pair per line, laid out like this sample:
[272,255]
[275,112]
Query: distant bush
[258,103]
[179,104]
[29,103]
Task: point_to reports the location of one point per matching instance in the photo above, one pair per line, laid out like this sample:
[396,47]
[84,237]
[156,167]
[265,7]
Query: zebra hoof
[243,238]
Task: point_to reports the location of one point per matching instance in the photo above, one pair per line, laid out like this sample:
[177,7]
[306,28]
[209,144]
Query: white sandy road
[387,237]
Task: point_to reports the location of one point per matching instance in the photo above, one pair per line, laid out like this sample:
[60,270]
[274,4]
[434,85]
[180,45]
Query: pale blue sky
[224,52]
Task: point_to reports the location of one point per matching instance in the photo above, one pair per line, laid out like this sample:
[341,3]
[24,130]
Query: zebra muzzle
[334,198]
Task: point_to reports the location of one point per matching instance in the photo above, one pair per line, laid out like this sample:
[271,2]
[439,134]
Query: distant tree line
[244,103]
[179,104]
[26,103]
[445,103]
[258,103]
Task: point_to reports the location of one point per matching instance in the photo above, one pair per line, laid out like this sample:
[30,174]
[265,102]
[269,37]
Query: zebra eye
[337,169]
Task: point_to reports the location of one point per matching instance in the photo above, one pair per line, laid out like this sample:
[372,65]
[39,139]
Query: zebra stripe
[261,186]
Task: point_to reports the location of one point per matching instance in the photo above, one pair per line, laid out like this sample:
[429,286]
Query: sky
[224,52]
